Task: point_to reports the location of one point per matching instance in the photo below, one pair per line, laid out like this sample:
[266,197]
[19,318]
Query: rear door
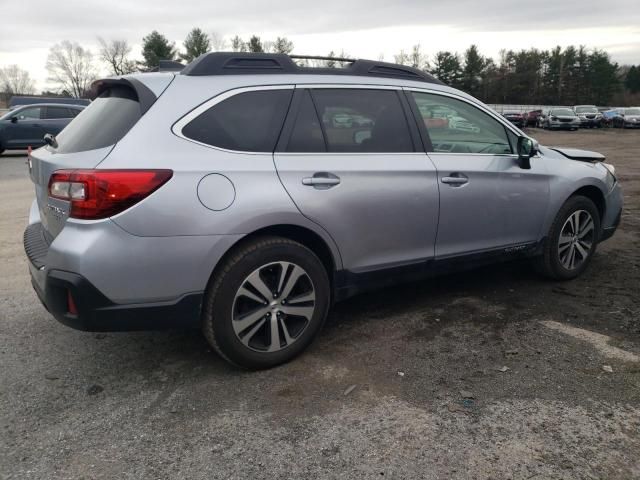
[350,160]
[55,118]
[27,130]
[487,201]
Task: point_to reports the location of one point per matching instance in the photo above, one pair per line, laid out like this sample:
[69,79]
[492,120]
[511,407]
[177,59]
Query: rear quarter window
[103,123]
[247,122]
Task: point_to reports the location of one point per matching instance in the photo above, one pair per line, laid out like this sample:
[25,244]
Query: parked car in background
[627,118]
[253,209]
[559,118]
[531,118]
[26,126]
[20,101]
[589,116]
[608,116]
[517,118]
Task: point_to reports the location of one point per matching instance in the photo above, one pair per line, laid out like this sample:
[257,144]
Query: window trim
[287,130]
[182,122]
[505,124]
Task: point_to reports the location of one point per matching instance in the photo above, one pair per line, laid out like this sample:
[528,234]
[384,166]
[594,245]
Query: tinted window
[306,135]
[103,123]
[362,120]
[31,113]
[248,122]
[458,127]
[57,112]
[73,112]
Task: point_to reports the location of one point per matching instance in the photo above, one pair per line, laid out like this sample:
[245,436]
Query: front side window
[32,113]
[354,121]
[247,122]
[455,126]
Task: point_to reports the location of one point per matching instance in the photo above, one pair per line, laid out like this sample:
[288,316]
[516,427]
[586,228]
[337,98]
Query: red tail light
[71,305]
[98,194]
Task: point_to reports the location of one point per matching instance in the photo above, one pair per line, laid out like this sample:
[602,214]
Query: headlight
[611,175]
[611,168]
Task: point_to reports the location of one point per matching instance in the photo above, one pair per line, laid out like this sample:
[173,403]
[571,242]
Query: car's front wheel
[266,303]
[571,241]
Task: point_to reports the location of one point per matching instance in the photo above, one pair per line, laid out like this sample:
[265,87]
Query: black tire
[549,264]
[218,306]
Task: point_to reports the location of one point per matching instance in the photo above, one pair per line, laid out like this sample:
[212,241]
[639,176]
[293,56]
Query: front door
[487,201]
[26,130]
[351,164]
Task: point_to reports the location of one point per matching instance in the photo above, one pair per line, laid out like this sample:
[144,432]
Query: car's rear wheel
[571,241]
[266,303]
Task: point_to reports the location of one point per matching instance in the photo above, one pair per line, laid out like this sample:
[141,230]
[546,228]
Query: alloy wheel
[576,239]
[273,306]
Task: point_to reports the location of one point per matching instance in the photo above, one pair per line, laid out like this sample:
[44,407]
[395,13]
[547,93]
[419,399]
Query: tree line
[568,76]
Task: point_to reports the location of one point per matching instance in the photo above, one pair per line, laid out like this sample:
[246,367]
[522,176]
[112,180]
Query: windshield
[586,110]
[103,123]
[563,111]
[632,111]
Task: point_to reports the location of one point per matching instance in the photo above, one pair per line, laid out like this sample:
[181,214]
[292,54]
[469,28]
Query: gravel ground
[489,374]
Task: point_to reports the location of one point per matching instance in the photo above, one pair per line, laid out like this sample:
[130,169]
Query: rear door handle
[456,179]
[321,180]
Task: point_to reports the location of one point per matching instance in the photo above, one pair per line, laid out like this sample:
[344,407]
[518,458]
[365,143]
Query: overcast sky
[363,28]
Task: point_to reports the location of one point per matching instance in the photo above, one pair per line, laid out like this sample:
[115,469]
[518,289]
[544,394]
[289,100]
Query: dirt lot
[161,405]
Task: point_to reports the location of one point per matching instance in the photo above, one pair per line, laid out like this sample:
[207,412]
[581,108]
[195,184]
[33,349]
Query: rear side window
[247,122]
[103,123]
[361,120]
[306,135]
[57,112]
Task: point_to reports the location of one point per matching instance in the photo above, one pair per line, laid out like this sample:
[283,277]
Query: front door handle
[321,180]
[456,179]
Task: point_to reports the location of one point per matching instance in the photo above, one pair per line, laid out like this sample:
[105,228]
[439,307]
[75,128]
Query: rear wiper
[50,139]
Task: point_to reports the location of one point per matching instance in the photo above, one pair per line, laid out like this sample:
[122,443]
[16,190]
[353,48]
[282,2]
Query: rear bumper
[95,310]
[96,313]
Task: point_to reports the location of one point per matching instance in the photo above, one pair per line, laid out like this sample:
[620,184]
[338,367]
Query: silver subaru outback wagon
[246,194]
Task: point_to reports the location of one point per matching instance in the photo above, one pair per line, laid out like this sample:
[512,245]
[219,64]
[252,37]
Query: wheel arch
[320,246]
[594,194]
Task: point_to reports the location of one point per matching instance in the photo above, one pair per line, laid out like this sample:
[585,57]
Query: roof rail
[236,63]
[167,66]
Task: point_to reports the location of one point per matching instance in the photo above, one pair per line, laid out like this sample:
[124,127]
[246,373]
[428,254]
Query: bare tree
[15,81]
[116,55]
[218,42]
[70,66]
[238,45]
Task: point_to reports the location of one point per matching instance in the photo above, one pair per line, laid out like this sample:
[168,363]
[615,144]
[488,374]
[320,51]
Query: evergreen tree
[632,79]
[156,47]
[255,45]
[472,73]
[196,43]
[447,68]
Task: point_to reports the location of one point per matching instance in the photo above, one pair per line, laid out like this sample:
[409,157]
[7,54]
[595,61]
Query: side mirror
[527,148]
[14,119]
